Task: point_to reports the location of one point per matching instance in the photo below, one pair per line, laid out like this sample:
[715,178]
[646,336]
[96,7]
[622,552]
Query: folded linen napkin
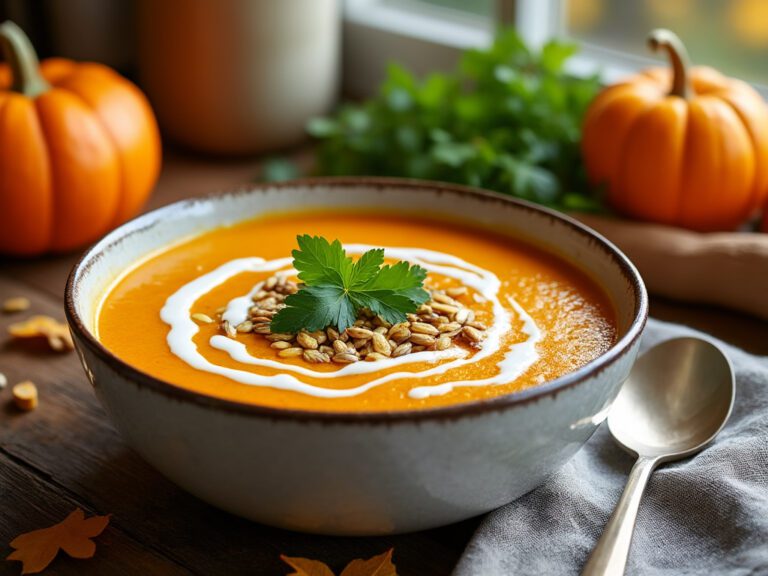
[707,515]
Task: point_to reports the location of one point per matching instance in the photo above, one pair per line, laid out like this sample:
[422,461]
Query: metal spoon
[677,398]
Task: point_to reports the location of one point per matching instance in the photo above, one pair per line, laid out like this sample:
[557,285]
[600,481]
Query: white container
[239,76]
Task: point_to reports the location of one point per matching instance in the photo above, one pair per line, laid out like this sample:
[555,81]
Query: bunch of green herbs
[507,119]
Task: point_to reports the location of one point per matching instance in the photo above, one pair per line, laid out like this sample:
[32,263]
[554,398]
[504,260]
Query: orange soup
[502,316]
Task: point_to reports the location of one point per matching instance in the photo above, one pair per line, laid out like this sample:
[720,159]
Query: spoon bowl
[677,398]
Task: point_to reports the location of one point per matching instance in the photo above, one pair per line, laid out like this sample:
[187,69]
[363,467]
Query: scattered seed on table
[25,395]
[16,304]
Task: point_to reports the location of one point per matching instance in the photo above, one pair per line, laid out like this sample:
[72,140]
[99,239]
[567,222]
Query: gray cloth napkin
[707,515]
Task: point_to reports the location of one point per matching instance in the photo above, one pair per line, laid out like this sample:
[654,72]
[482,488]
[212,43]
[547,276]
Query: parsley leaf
[315,308]
[335,288]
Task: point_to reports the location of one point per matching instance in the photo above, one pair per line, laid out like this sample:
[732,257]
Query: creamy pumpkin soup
[355,311]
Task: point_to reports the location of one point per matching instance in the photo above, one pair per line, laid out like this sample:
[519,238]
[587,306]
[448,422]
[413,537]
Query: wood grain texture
[72,452]
[29,503]
[66,453]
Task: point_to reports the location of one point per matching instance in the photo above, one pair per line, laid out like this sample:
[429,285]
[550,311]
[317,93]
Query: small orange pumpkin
[694,155]
[79,150]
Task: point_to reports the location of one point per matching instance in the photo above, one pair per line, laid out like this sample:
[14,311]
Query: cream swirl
[518,359]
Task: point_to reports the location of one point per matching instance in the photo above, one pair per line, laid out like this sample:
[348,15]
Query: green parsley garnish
[335,288]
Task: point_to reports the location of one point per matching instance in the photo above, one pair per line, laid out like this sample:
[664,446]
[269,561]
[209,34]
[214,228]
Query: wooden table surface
[66,453]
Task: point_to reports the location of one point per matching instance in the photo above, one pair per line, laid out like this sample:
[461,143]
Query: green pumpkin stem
[661,39]
[20,55]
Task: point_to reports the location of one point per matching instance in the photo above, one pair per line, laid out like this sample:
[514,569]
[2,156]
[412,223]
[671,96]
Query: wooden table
[66,453]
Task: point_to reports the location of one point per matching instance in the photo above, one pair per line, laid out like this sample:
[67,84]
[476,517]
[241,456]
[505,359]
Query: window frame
[432,38]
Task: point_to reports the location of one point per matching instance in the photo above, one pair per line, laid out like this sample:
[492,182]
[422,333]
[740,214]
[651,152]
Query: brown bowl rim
[549,389]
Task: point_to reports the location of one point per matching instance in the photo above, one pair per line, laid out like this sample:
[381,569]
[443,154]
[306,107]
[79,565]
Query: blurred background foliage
[508,119]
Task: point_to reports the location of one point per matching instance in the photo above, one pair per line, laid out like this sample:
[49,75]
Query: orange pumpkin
[79,150]
[686,147]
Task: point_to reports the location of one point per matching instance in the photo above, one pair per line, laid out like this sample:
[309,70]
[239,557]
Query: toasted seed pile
[436,325]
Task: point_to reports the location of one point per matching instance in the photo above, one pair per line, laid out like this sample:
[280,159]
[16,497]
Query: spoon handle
[610,555]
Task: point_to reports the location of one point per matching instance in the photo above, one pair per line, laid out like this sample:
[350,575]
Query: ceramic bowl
[357,473]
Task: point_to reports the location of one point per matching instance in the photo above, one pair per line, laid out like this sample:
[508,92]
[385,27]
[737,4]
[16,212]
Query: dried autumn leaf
[306,567]
[380,565]
[56,333]
[37,549]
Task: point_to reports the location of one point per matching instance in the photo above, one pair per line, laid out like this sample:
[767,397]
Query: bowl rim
[549,389]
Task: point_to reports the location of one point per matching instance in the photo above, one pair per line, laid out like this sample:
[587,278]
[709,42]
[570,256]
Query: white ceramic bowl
[357,473]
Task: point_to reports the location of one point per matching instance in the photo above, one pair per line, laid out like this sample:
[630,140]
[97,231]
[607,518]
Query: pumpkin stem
[22,58]
[678,56]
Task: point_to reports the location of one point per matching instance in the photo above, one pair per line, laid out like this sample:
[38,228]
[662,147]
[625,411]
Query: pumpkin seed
[424,328]
[462,316]
[306,341]
[402,350]
[345,358]
[445,308]
[472,334]
[443,299]
[315,357]
[456,291]
[380,344]
[422,339]
[359,333]
[339,346]
[291,352]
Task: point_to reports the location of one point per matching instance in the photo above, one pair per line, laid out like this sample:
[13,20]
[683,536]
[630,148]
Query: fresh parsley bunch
[507,119]
[335,288]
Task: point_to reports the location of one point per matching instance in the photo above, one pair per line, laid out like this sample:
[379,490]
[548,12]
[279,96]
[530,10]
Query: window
[731,35]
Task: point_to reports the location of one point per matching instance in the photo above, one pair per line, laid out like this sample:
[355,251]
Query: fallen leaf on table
[380,565]
[37,549]
[306,567]
[56,333]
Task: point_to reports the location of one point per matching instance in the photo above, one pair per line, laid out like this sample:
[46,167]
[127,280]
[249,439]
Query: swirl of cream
[519,357]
